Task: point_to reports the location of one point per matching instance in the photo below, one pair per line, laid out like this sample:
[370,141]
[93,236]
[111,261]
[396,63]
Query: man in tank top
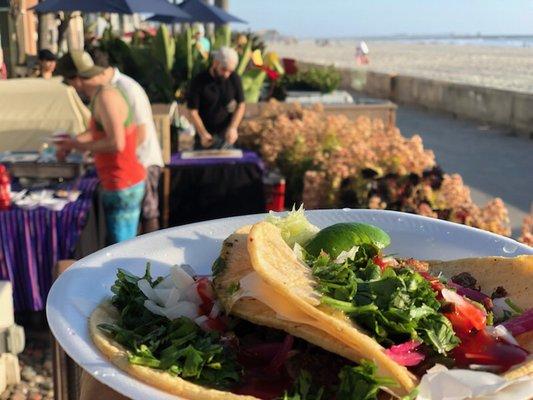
[112,138]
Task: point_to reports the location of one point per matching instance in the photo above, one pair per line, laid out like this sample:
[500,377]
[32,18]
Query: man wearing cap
[149,149]
[112,139]
[215,100]
[46,65]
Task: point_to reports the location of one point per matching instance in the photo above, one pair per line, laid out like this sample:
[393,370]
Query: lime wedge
[342,237]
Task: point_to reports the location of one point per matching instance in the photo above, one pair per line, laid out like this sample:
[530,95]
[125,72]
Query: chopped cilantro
[394,305]
[355,383]
[304,389]
[361,382]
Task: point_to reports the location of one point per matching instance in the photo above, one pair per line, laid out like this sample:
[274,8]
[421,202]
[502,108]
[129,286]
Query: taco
[411,316]
[260,303]
[198,353]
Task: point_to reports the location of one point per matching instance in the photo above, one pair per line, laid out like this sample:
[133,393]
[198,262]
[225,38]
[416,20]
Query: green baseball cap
[77,63]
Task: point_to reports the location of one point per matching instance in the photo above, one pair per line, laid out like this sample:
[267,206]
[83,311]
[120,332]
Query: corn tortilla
[117,354]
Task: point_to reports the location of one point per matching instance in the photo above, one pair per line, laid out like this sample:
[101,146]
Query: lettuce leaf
[295,228]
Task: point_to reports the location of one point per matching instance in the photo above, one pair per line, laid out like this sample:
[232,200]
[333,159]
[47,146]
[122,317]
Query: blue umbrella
[200,12]
[159,7]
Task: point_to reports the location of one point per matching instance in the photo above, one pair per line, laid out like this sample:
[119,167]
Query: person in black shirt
[216,102]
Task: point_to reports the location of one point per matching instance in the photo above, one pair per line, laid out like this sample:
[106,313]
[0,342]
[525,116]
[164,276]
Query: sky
[352,18]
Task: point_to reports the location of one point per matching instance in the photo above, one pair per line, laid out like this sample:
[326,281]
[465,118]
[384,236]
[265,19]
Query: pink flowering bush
[527,230]
[330,161]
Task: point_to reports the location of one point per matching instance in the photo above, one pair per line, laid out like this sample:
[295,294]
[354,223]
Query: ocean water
[503,41]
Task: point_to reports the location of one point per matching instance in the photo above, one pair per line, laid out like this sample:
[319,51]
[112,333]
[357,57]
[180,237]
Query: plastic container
[5,189]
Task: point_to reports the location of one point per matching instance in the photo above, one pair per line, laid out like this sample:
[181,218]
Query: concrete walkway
[491,162]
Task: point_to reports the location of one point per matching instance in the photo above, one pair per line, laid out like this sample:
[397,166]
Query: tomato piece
[206,293]
[205,290]
[215,324]
[484,349]
[461,325]
[379,262]
[465,315]
[435,283]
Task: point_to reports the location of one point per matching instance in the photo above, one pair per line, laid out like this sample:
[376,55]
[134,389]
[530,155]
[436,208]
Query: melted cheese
[253,286]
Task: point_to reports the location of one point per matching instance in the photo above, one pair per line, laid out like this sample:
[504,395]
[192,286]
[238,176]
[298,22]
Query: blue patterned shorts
[122,210]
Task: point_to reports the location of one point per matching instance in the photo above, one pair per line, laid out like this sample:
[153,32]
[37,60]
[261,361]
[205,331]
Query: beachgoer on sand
[200,42]
[361,53]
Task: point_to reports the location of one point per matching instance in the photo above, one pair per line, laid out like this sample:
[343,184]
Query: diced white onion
[162,295]
[452,297]
[502,332]
[215,310]
[166,283]
[182,309]
[182,280]
[191,294]
[154,308]
[147,289]
[188,269]
[484,367]
[201,320]
[500,307]
[173,298]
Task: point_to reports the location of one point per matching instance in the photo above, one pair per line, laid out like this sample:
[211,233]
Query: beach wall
[509,109]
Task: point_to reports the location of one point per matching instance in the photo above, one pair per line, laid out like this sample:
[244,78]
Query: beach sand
[500,67]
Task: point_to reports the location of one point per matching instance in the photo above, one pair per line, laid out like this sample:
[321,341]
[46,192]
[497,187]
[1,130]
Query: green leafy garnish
[513,306]
[295,228]
[394,305]
[361,382]
[129,299]
[304,389]
[355,383]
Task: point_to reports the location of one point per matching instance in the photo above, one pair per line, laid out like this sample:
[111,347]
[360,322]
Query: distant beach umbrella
[159,7]
[200,12]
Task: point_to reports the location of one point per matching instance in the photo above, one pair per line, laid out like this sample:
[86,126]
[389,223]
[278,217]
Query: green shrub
[323,79]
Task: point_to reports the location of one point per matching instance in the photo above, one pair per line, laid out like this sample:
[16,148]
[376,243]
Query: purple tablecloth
[248,157]
[32,241]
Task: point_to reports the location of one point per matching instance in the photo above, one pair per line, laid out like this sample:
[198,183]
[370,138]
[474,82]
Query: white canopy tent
[32,109]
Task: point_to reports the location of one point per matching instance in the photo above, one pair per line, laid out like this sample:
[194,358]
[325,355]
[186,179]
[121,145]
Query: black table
[204,189]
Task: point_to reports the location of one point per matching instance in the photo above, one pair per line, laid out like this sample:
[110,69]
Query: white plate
[83,286]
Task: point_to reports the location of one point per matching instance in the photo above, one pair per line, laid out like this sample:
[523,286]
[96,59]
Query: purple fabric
[32,241]
[248,157]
